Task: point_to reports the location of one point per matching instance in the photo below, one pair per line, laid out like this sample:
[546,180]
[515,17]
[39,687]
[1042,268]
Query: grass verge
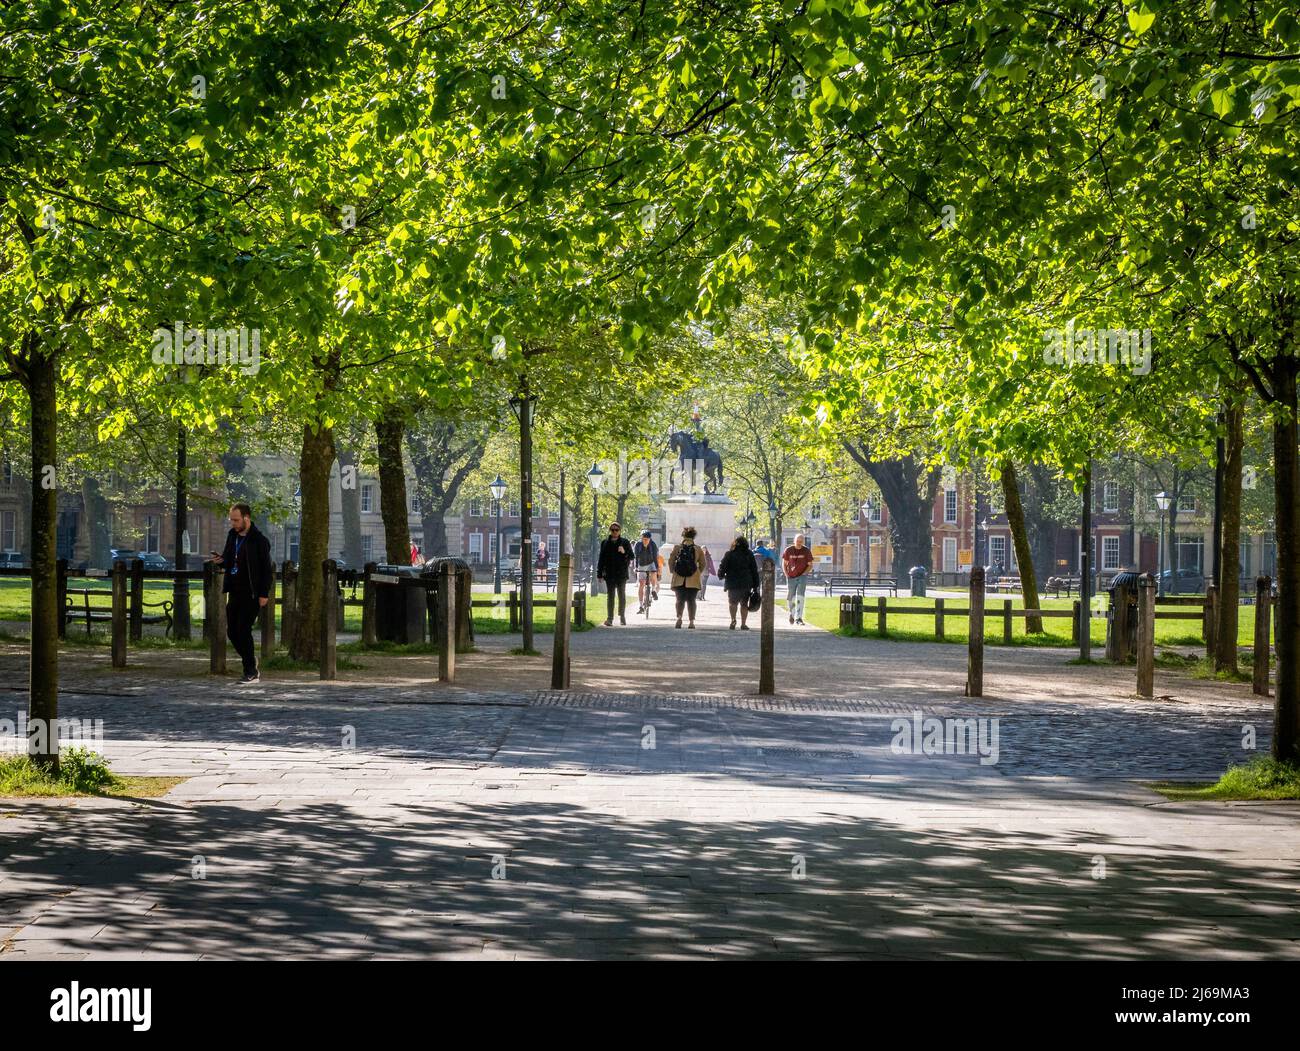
[1261,778]
[81,773]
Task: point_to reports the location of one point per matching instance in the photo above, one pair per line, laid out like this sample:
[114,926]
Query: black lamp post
[772,512]
[748,522]
[595,477]
[1163,500]
[868,505]
[498,491]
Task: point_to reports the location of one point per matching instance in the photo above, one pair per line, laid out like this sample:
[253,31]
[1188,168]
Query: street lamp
[772,512]
[498,491]
[868,505]
[1163,500]
[596,477]
[985,523]
[748,522]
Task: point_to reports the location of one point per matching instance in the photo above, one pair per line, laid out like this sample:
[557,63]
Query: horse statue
[687,448]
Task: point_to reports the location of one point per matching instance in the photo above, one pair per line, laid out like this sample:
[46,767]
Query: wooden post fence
[881,612]
[767,634]
[975,643]
[119,614]
[1210,625]
[214,617]
[1146,636]
[1263,613]
[289,603]
[447,627]
[560,647]
[465,609]
[329,615]
[137,599]
[1006,622]
[938,619]
[267,615]
[369,600]
[61,586]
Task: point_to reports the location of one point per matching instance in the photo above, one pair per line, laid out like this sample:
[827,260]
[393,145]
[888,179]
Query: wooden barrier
[1263,612]
[938,619]
[446,593]
[767,633]
[1146,636]
[464,609]
[560,646]
[61,586]
[1209,624]
[329,615]
[267,617]
[975,635]
[1006,621]
[214,614]
[119,629]
[137,599]
[882,611]
[369,599]
[289,603]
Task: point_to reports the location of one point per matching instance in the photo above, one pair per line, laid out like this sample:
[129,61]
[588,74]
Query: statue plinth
[712,514]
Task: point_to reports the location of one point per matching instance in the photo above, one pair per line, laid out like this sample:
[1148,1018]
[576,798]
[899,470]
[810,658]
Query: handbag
[755,600]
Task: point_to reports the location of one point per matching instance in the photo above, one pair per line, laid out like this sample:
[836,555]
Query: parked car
[12,560]
[1189,581]
[153,561]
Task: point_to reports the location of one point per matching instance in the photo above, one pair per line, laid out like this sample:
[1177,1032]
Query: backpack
[684,564]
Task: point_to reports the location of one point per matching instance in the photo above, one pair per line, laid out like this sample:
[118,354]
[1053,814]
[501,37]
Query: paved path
[498,819]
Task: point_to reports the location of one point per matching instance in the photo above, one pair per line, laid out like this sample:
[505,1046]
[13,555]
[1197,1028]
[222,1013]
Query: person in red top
[797,562]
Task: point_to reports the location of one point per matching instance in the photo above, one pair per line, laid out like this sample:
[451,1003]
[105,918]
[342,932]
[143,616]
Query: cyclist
[646,560]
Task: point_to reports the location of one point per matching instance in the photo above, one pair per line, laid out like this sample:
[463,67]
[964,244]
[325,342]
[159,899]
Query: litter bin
[918,576]
[1123,590]
[399,608]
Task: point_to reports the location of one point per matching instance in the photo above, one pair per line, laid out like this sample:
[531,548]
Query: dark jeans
[241,614]
[612,587]
[685,600]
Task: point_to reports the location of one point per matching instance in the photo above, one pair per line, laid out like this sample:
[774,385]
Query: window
[554,516]
[476,508]
[8,473]
[553,544]
[367,498]
[293,545]
[415,503]
[874,516]
[537,539]
[367,549]
[998,551]
[950,507]
[950,552]
[152,532]
[1187,502]
[1191,552]
[514,545]
[1110,552]
[476,548]
[514,510]
[8,530]
[1110,497]
[492,547]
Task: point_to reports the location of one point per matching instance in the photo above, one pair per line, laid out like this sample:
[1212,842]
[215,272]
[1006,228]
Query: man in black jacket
[249,572]
[615,557]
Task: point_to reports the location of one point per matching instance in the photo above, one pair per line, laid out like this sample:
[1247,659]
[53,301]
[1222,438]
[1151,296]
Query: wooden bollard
[267,616]
[1006,622]
[938,619]
[1146,636]
[580,608]
[369,600]
[447,627]
[1075,621]
[137,599]
[882,625]
[465,609]
[329,616]
[288,603]
[560,647]
[1263,614]
[514,611]
[61,586]
[119,629]
[975,636]
[214,614]
[1210,623]
[767,634]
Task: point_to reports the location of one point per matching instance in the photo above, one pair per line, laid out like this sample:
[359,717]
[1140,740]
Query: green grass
[81,773]
[825,613]
[1261,778]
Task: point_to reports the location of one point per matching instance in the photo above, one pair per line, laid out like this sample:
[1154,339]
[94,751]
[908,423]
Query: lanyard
[239,542]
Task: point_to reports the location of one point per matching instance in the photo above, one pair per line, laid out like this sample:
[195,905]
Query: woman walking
[739,573]
[687,565]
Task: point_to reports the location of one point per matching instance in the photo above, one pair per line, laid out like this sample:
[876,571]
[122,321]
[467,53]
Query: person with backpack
[687,564]
[739,573]
[616,556]
[646,560]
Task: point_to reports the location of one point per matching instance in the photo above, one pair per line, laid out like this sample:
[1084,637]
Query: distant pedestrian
[796,560]
[739,573]
[687,564]
[709,570]
[612,567]
[416,558]
[248,574]
[543,559]
[761,550]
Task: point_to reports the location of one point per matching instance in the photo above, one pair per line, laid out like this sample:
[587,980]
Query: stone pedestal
[713,516]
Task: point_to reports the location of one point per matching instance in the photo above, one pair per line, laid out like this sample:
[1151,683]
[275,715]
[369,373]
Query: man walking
[796,560]
[247,584]
[616,556]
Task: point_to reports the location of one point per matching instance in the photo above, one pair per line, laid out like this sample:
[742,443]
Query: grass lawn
[81,773]
[825,613]
[1261,778]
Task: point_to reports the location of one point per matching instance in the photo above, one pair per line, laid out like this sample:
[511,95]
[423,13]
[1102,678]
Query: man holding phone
[247,585]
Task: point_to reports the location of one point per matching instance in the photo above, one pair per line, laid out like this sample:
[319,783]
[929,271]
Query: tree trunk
[1228,558]
[42,376]
[1286,719]
[1024,557]
[392,487]
[435,533]
[181,585]
[314,479]
[94,511]
[350,506]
